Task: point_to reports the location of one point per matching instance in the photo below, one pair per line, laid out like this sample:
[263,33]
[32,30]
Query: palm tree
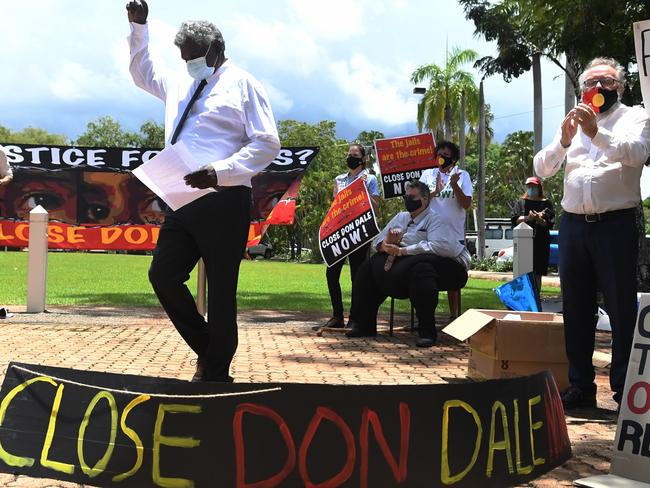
[440,107]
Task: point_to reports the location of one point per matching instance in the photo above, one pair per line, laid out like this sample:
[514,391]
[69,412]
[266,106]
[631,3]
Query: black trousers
[215,228]
[333,275]
[418,278]
[600,255]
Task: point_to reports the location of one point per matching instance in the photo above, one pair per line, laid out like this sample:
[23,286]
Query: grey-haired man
[605,144]
[223,116]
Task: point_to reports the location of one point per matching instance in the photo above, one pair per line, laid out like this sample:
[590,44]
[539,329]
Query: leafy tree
[152,134]
[32,135]
[439,109]
[315,194]
[577,31]
[107,132]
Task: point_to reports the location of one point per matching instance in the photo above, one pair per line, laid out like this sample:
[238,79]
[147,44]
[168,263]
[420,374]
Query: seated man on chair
[418,255]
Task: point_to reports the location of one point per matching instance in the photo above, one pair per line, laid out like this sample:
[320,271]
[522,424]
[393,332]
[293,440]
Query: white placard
[642,45]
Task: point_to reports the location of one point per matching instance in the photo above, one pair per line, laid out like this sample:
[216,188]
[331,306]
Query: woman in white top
[356,164]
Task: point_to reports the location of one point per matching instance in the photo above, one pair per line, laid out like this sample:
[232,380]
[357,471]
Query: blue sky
[66,62]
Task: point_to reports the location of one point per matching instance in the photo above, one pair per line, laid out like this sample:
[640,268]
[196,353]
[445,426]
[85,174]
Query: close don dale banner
[113,430]
[95,202]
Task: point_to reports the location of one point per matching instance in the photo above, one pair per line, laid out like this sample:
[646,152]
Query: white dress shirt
[5,169]
[603,173]
[230,126]
[426,233]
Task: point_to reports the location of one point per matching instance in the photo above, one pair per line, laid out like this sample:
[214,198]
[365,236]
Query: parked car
[507,253]
[554,257]
[264,249]
[498,235]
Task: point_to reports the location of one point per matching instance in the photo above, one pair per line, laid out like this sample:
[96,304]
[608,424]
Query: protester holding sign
[356,163]
[605,144]
[223,117]
[428,258]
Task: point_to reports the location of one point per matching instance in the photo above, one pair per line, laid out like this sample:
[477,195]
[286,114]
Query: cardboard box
[504,344]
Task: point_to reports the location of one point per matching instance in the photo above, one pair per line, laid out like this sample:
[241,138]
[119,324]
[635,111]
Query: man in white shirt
[605,144]
[451,188]
[428,258]
[223,116]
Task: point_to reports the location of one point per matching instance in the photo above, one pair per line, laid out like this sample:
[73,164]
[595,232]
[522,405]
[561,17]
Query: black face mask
[602,100]
[354,162]
[445,162]
[412,204]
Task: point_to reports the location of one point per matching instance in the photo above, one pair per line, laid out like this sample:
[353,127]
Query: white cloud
[334,20]
[283,46]
[375,92]
[280,101]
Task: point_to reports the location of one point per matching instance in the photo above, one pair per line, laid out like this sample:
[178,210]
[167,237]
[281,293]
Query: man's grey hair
[201,33]
[420,186]
[620,70]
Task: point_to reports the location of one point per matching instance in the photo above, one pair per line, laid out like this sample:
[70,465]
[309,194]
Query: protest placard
[631,450]
[115,430]
[403,159]
[642,45]
[349,224]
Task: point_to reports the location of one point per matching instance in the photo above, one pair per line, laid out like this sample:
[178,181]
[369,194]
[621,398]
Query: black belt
[599,217]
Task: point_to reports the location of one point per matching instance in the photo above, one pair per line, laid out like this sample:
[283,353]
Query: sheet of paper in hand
[164,175]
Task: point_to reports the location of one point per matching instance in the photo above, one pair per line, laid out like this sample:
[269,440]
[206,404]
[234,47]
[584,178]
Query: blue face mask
[198,68]
[532,192]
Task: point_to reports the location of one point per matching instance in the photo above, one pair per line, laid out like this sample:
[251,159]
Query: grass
[121,280]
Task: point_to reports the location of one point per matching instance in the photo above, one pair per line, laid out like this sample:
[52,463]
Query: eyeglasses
[607,83]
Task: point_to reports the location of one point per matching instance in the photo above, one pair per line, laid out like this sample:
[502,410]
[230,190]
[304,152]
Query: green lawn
[121,280]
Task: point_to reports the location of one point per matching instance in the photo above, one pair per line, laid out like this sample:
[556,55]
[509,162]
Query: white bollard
[37,267]
[523,250]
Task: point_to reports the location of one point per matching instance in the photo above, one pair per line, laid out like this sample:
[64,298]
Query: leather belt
[599,217]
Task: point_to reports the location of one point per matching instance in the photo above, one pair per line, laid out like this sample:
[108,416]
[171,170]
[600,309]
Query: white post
[523,249]
[200,288]
[37,266]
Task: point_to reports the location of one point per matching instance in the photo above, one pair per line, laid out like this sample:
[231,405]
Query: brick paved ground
[274,346]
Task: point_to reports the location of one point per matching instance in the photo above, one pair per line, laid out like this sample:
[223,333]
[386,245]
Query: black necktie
[179,126]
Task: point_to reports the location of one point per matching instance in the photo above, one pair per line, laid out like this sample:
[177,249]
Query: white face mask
[198,68]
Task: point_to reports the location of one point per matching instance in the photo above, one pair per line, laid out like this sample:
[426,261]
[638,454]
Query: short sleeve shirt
[344,180]
[446,204]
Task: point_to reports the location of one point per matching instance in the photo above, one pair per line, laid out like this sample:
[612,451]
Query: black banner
[123,159]
[84,427]
[82,185]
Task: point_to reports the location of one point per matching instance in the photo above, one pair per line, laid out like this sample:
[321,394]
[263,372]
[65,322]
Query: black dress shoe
[574,397]
[200,371]
[333,323]
[356,332]
[425,342]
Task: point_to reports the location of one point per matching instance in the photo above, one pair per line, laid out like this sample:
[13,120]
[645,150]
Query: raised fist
[138,11]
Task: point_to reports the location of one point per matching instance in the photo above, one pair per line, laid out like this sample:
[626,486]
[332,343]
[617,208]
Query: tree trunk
[569,89]
[448,122]
[480,244]
[537,101]
[461,131]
